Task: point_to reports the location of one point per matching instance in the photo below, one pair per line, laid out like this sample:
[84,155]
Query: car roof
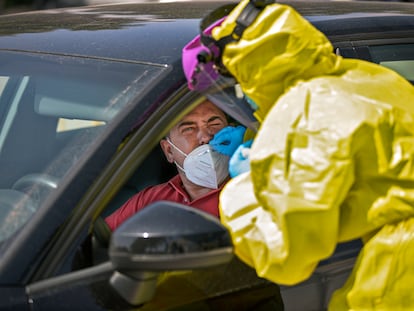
[118,31]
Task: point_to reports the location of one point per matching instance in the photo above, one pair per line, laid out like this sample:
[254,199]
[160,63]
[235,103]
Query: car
[86,93]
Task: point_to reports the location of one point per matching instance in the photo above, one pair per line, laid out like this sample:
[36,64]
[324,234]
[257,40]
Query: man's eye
[188,129]
[216,124]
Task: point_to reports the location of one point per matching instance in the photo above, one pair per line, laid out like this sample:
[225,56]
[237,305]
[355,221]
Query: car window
[215,288]
[398,57]
[52,110]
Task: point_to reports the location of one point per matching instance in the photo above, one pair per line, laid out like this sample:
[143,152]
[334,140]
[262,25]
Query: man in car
[202,172]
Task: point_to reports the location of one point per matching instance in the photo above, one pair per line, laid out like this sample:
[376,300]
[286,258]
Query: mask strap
[178,149]
[179,166]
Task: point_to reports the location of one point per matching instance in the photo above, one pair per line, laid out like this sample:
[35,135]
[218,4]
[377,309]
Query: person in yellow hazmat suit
[332,160]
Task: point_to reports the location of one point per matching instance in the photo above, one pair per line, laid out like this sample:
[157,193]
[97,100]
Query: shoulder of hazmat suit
[331,162]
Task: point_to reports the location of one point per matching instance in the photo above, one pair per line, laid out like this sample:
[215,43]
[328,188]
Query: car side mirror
[165,236]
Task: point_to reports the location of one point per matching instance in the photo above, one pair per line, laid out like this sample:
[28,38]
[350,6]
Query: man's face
[195,129]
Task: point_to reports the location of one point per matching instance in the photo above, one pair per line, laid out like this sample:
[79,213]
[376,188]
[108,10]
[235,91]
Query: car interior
[156,170]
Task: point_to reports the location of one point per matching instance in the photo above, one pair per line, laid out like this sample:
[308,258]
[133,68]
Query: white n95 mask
[204,166]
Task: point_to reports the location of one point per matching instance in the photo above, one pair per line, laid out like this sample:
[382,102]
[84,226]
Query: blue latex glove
[228,139]
[240,161]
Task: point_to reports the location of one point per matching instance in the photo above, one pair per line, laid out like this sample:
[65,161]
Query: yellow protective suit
[331,162]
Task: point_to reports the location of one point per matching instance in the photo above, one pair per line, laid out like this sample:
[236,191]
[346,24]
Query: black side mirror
[165,236]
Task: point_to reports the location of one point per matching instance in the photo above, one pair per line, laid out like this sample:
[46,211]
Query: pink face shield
[202,75]
[198,61]
[199,65]
[201,61]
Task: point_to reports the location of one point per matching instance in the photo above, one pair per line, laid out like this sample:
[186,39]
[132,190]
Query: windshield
[52,109]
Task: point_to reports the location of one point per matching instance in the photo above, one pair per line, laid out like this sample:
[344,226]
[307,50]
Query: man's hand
[228,139]
[240,161]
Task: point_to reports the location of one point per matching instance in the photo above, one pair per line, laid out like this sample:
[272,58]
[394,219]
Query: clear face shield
[201,59]
[229,97]
[221,90]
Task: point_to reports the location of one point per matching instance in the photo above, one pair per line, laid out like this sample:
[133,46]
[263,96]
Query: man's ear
[167,149]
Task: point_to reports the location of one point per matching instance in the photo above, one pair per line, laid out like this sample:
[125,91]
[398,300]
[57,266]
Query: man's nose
[204,136]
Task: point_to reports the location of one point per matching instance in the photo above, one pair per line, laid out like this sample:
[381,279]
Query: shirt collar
[177,184]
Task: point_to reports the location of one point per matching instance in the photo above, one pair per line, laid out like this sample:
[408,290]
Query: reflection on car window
[52,109]
[3,81]
[72,124]
[403,67]
[398,57]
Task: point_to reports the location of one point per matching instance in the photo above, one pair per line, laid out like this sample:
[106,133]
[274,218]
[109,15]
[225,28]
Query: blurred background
[15,6]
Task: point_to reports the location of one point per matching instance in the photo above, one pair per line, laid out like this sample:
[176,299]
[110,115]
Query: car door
[88,282]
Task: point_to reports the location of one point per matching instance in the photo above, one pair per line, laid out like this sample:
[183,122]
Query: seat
[153,170]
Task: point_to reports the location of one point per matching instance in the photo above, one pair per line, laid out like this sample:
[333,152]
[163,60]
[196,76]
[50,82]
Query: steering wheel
[17,206]
[36,185]
[27,181]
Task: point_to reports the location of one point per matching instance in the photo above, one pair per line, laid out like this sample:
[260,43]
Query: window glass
[403,67]
[3,81]
[52,110]
[399,57]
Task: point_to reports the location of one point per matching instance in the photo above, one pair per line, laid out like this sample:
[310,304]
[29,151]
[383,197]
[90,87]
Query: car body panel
[41,255]
[92,30]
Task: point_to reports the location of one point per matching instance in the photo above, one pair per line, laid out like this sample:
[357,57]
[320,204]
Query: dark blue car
[86,93]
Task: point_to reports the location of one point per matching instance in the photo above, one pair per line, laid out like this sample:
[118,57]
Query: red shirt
[172,190]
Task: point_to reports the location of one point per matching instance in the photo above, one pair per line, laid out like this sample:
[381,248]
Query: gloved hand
[240,161]
[228,139]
